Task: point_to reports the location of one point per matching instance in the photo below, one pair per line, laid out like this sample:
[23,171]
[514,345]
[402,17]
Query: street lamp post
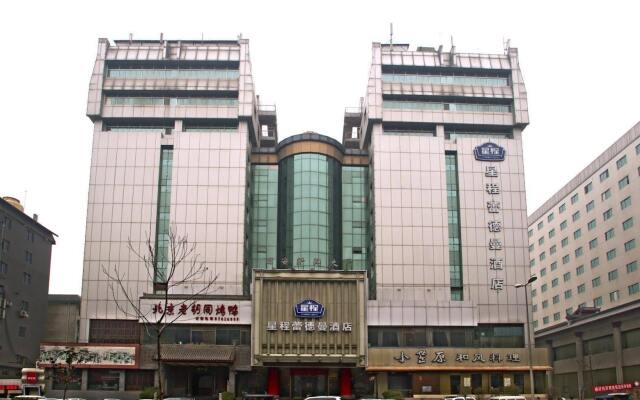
[529,342]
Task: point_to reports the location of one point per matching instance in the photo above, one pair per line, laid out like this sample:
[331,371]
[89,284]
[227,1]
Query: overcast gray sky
[580,62]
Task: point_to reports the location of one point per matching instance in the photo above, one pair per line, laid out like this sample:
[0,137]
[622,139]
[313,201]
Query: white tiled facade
[208,175]
[411,225]
[584,241]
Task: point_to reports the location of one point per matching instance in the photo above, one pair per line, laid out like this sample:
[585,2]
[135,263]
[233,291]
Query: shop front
[434,372]
[309,334]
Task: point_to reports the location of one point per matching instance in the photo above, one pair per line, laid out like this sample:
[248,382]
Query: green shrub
[393,394]
[148,393]
[227,396]
[511,390]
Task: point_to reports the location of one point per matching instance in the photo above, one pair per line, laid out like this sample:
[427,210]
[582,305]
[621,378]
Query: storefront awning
[190,353]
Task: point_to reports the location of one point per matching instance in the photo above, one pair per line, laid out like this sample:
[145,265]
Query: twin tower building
[387,260]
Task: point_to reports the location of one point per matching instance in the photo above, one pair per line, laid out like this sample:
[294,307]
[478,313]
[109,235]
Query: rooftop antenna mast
[391,36]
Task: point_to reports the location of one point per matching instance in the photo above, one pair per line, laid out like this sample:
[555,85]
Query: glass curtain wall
[310,212]
[453,211]
[355,218]
[164,206]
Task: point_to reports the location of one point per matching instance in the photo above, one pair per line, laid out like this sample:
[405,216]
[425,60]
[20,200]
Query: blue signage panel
[489,152]
[308,309]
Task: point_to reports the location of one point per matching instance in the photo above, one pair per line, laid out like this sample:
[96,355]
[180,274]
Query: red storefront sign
[201,311]
[31,377]
[616,387]
[9,387]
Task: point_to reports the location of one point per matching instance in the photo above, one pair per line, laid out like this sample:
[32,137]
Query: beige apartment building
[583,246]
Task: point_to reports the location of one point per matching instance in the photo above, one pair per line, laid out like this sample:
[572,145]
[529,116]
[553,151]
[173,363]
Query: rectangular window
[550,217]
[535,324]
[627,224]
[579,252]
[597,302]
[28,257]
[565,259]
[595,262]
[575,216]
[543,272]
[631,338]
[622,161]
[543,288]
[581,288]
[569,311]
[613,275]
[602,344]
[541,240]
[554,265]
[562,208]
[455,246]
[30,236]
[552,249]
[556,299]
[625,203]
[530,232]
[552,233]
[556,316]
[614,296]
[580,270]
[606,194]
[545,320]
[588,187]
[630,245]
[574,198]
[591,225]
[623,182]
[590,205]
[638,148]
[567,294]
[564,242]
[163,213]
[545,303]
[577,233]
[532,262]
[540,225]
[542,256]
[566,276]
[4,268]
[554,282]
[24,305]
[103,379]
[632,267]
[531,248]
[595,282]
[607,214]
[5,246]
[563,225]
[611,254]
[534,308]
[634,289]
[604,175]
[608,235]
[533,292]
[26,278]
[593,243]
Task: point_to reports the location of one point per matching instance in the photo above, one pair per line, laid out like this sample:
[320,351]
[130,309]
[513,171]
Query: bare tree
[180,266]
[64,366]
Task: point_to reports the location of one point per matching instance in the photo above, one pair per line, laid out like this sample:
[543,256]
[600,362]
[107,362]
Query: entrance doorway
[197,382]
[307,382]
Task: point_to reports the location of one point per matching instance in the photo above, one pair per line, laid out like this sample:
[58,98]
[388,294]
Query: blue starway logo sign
[489,152]
[308,309]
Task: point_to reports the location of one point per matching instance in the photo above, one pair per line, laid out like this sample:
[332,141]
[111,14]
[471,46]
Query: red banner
[613,387]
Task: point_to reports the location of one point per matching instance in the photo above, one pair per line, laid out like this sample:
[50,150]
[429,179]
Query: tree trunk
[159,366]
[64,392]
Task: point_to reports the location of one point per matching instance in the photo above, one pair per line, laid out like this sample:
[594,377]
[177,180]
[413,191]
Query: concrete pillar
[440,130]
[121,381]
[580,365]
[231,381]
[382,384]
[550,388]
[84,382]
[617,348]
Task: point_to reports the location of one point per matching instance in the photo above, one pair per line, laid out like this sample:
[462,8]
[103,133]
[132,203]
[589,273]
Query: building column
[84,382]
[617,347]
[440,130]
[231,381]
[382,384]
[580,365]
[121,382]
[550,387]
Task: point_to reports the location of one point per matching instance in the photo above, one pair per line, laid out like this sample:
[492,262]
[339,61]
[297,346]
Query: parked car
[324,398]
[507,398]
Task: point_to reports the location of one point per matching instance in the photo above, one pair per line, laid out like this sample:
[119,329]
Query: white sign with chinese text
[225,312]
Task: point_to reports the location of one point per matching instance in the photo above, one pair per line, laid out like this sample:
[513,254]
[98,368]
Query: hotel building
[387,260]
[586,302]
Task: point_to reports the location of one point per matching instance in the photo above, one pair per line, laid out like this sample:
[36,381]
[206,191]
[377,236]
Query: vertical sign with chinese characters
[492,152]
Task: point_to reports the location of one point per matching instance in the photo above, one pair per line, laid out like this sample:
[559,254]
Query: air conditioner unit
[24,314]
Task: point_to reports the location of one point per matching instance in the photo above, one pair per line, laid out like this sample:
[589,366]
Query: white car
[324,398]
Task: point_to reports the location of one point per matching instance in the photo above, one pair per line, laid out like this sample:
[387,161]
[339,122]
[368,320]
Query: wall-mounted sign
[198,311]
[308,309]
[615,387]
[489,152]
[90,356]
